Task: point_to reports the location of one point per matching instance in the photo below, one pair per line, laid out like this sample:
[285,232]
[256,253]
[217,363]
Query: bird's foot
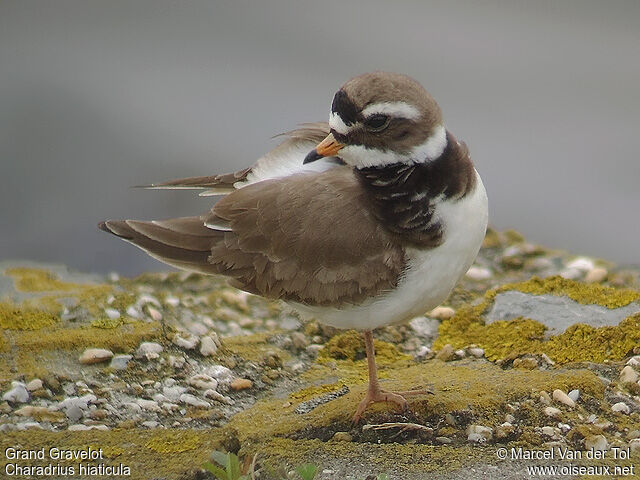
[378,395]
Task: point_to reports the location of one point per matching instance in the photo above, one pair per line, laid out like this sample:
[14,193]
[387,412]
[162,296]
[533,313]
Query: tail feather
[183,243]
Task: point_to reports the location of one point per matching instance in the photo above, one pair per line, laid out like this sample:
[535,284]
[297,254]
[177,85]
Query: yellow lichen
[18,318]
[157,453]
[174,441]
[584,293]
[510,338]
[38,280]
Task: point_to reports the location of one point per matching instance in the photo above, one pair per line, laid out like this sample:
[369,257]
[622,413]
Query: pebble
[620,407]
[95,355]
[634,361]
[479,433]
[504,430]
[218,396]
[119,362]
[149,350]
[222,374]
[29,426]
[133,312]
[628,375]
[423,352]
[545,398]
[634,446]
[314,348]
[478,273]
[442,313]
[149,405]
[17,394]
[173,393]
[80,427]
[241,384]
[549,432]
[574,394]
[172,301]
[583,264]
[208,346]
[596,275]
[150,424]
[560,396]
[552,412]
[299,340]
[446,353]
[203,381]
[596,442]
[476,352]
[112,313]
[508,418]
[154,314]
[35,384]
[444,440]
[194,401]
[145,299]
[342,437]
[74,413]
[188,343]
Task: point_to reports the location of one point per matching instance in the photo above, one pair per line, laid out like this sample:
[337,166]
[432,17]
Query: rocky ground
[535,351]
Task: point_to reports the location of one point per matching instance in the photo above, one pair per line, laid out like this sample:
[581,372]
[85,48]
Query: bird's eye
[377,122]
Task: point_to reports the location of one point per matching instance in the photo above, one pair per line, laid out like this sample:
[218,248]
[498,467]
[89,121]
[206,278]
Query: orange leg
[374,392]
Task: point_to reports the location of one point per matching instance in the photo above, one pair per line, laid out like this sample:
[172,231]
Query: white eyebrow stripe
[393,109]
[337,124]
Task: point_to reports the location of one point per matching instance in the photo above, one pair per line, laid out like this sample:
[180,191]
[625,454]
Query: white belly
[430,276]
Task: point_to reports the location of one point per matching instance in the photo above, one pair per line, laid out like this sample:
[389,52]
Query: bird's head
[382,118]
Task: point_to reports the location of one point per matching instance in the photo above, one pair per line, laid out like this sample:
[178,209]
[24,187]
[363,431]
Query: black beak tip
[312,156]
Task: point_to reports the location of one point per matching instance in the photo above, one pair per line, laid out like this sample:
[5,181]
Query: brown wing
[307,238]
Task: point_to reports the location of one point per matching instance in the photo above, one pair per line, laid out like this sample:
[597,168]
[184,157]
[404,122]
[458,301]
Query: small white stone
[549,431]
[442,313]
[188,343]
[571,273]
[95,355]
[423,351]
[634,445]
[634,361]
[145,299]
[112,313]
[203,382]
[508,418]
[628,375]
[476,352]
[29,426]
[150,405]
[552,412]
[459,353]
[154,314]
[564,427]
[208,346]
[172,301]
[620,407]
[485,432]
[574,394]
[218,396]
[596,442]
[149,350]
[478,273]
[35,384]
[194,401]
[133,312]
[173,393]
[583,264]
[17,394]
[596,275]
[560,396]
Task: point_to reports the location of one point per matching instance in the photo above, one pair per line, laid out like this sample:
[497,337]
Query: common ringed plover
[366,221]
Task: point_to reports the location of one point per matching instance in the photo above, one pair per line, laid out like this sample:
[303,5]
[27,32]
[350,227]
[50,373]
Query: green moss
[108,323]
[37,280]
[174,441]
[350,346]
[509,339]
[280,436]
[19,318]
[154,453]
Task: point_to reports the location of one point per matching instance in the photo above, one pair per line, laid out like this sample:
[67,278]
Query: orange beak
[326,148]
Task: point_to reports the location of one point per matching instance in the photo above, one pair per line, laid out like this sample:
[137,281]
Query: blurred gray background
[96,96]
